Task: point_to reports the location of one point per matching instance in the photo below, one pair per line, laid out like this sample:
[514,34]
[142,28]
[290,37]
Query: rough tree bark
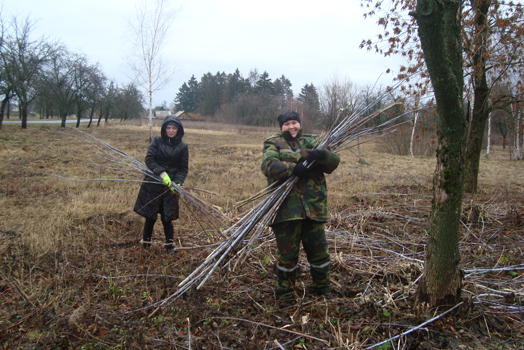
[440,35]
[481,107]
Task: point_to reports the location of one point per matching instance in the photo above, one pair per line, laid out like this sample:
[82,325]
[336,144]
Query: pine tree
[188,96]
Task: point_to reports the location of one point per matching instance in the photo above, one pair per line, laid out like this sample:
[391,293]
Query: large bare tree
[23,60]
[336,93]
[439,29]
[493,47]
[95,93]
[150,28]
[64,78]
[6,89]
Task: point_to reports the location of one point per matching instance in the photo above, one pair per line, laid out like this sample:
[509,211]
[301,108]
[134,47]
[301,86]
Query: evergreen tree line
[257,99]
[254,100]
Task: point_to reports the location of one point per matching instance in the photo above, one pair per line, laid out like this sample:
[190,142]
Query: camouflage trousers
[288,236]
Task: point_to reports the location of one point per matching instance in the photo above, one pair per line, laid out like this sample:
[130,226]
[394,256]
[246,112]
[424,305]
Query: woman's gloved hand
[300,169]
[165,179]
[172,188]
[317,154]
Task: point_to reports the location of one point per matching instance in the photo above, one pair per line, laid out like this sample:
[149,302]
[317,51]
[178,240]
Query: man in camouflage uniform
[302,215]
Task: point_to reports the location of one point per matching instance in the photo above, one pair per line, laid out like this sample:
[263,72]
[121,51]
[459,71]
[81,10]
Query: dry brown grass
[60,240]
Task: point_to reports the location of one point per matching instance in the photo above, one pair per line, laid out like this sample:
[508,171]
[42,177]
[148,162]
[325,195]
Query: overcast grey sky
[307,41]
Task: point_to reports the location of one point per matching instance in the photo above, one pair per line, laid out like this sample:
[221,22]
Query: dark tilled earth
[92,295]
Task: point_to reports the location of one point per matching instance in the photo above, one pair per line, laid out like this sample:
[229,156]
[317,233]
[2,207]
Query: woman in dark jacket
[167,157]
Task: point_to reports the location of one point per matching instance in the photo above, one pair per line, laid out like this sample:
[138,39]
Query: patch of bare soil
[104,293]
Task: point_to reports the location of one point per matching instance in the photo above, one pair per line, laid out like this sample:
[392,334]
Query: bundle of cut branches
[129,169]
[346,132]
[342,135]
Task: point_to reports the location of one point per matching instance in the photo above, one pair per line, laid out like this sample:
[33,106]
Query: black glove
[300,169]
[317,154]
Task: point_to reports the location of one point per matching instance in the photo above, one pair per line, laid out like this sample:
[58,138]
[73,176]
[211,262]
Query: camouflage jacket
[309,196]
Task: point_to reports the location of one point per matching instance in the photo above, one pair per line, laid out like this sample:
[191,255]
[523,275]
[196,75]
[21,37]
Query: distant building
[161,112]
[182,115]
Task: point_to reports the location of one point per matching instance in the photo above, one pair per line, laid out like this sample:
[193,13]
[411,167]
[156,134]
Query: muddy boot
[147,233]
[146,244]
[169,232]
[321,282]
[170,248]
[285,285]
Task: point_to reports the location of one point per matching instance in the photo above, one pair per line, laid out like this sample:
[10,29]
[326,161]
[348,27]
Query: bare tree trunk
[91,117]
[488,147]
[481,89]
[5,102]
[63,118]
[150,117]
[520,132]
[23,115]
[100,118]
[413,134]
[439,30]
[516,117]
[153,22]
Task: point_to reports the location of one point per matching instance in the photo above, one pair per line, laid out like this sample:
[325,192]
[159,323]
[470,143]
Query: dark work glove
[317,154]
[300,169]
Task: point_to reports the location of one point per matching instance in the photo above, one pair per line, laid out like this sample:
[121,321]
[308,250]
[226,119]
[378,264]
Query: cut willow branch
[282,329]
[470,272]
[374,346]
[120,277]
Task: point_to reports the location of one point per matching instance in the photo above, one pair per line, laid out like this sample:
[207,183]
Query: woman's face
[171,131]
[292,126]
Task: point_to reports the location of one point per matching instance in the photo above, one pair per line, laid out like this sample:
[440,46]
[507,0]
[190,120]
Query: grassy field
[72,271]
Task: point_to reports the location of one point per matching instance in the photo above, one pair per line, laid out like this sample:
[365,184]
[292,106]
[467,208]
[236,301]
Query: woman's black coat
[172,156]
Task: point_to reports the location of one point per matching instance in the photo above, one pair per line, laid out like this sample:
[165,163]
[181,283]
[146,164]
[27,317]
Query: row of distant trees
[46,78]
[231,97]
[51,80]
[257,99]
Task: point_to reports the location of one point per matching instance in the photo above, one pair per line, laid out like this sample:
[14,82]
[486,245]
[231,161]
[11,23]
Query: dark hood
[178,124]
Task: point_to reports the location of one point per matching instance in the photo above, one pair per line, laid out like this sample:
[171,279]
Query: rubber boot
[285,284]
[168,232]
[321,282]
[147,233]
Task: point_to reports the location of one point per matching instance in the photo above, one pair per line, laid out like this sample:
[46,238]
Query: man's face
[292,126]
